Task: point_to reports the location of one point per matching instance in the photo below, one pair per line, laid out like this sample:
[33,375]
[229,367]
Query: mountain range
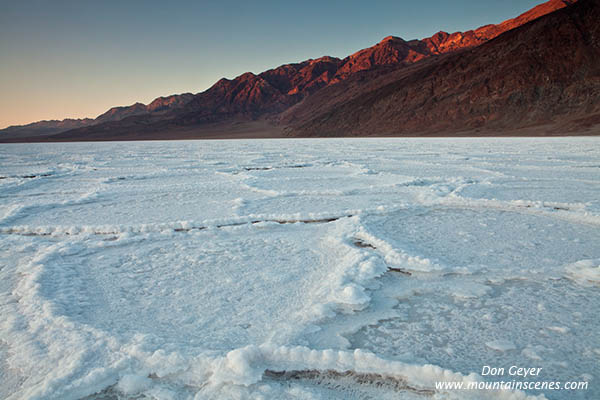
[537,74]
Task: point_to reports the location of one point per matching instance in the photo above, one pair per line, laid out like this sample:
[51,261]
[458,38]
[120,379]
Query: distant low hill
[536,74]
[42,129]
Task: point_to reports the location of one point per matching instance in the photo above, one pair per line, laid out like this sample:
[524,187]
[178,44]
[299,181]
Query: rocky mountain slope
[415,86]
[545,74]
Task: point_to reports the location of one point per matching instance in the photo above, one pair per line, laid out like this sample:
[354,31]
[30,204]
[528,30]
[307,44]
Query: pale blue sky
[78,58]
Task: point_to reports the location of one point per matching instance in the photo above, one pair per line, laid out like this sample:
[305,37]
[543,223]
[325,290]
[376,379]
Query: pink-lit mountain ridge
[322,97]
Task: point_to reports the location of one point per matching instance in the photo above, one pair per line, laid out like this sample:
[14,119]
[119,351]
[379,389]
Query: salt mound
[584,272]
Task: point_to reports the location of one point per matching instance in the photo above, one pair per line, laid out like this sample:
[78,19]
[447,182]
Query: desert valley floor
[298,269]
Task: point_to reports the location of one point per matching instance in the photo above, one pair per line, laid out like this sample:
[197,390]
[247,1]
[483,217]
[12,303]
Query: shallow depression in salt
[298,269]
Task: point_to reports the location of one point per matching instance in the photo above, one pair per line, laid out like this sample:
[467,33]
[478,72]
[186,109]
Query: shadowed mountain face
[448,82]
[544,74]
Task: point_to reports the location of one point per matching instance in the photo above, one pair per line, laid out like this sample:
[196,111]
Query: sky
[75,59]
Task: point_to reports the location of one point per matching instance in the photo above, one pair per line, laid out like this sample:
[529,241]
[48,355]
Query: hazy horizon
[78,59]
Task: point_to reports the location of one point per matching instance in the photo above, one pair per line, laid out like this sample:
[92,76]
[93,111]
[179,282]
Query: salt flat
[298,269]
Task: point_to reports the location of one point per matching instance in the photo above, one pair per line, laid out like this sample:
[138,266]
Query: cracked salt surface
[297,269]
